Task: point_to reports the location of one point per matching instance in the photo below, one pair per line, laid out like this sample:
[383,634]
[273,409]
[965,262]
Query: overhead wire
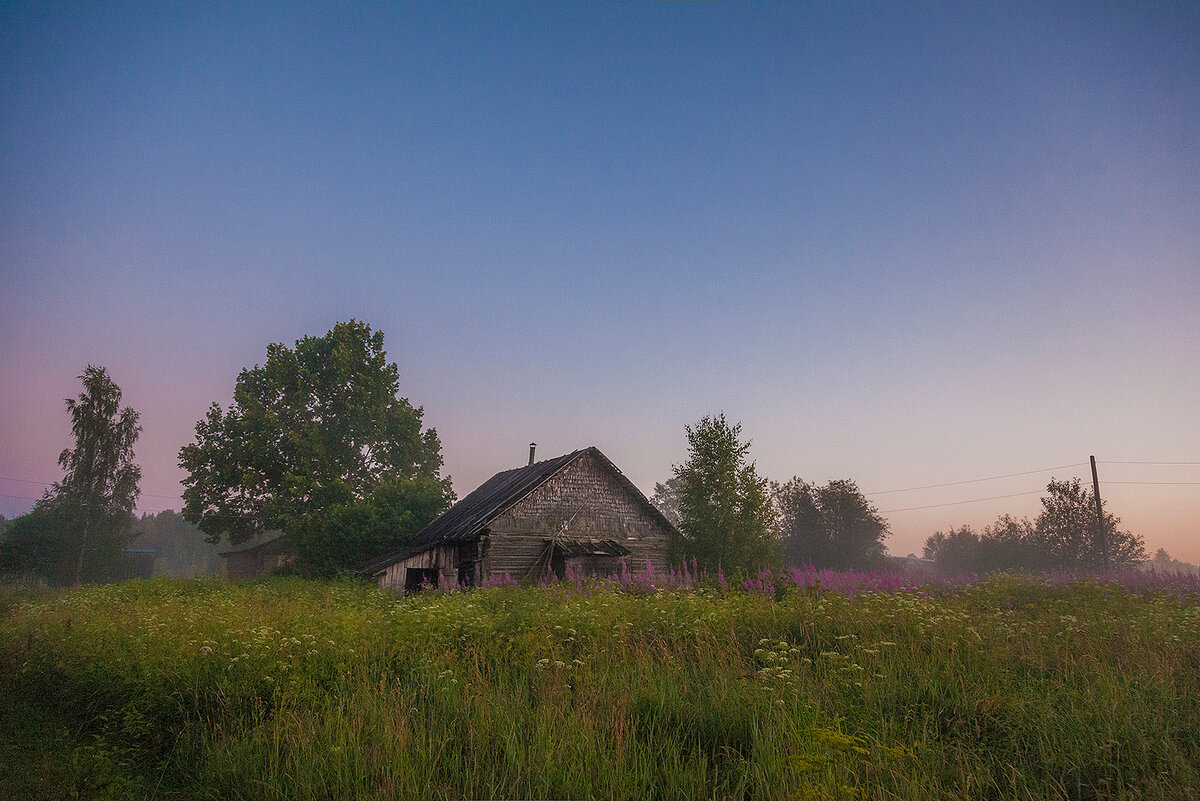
[976,480]
[1029,492]
[958,503]
[1187,463]
[19,497]
[50,483]
[139,507]
[1161,483]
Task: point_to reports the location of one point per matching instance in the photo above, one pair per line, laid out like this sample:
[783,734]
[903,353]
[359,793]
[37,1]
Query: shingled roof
[470,516]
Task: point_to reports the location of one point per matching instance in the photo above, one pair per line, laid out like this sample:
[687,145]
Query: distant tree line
[1163,562]
[1065,536]
[731,518]
[180,550]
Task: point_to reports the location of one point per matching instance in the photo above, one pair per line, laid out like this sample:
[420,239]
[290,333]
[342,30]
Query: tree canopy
[1066,529]
[317,444]
[724,512]
[831,526]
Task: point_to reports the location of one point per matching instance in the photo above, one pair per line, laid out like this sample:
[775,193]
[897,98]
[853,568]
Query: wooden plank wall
[443,558]
[592,503]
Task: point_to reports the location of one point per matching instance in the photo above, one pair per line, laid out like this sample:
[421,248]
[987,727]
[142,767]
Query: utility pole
[1101,540]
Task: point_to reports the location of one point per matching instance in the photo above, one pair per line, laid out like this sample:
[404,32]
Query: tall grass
[1010,688]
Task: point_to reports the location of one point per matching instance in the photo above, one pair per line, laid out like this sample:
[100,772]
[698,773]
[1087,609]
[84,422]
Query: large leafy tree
[79,528]
[831,526]
[724,511]
[317,444]
[1067,532]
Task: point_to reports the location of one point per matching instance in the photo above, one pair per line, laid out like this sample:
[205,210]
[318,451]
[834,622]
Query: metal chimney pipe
[532,445]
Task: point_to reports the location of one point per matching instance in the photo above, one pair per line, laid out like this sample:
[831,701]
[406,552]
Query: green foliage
[956,551]
[1007,544]
[305,690]
[33,546]
[833,526]
[316,440]
[351,532]
[724,511]
[78,530]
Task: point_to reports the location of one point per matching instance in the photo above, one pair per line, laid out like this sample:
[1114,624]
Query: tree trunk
[82,547]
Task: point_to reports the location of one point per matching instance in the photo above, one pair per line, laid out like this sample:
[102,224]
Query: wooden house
[576,513]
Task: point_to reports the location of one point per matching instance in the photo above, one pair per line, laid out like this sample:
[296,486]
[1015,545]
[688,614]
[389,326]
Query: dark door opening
[419,578]
[466,564]
[558,563]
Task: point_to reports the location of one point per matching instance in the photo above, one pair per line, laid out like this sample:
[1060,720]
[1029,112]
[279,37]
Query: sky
[905,244]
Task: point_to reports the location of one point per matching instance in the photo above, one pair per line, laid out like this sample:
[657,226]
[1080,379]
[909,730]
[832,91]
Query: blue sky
[902,245]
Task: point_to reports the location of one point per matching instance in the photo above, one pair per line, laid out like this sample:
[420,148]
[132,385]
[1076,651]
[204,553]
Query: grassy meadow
[286,689]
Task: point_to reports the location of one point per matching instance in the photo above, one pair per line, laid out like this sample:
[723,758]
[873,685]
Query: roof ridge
[431,535]
[519,495]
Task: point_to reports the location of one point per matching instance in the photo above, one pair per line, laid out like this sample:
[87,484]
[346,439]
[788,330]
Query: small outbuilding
[576,513]
[258,557]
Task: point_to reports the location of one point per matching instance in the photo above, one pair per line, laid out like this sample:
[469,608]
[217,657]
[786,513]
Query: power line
[1161,483]
[1191,463]
[20,497]
[137,507]
[959,503]
[1030,492]
[976,480]
[50,483]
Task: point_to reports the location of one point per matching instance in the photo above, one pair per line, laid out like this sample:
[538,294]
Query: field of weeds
[285,689]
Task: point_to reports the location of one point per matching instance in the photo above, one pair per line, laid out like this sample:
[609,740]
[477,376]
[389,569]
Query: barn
[576,513]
